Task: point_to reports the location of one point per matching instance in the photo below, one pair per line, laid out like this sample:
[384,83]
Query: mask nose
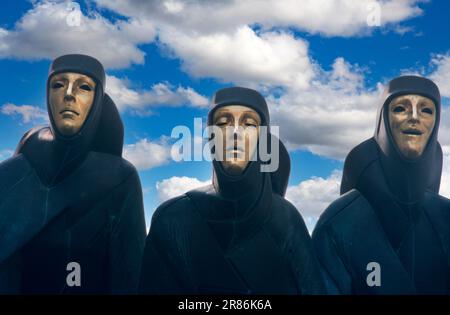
[414,111]
[414,115]
[235,135]
[69,93]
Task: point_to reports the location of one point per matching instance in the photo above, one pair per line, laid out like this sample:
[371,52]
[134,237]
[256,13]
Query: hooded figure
[71,207]
[391,234]
[236,236]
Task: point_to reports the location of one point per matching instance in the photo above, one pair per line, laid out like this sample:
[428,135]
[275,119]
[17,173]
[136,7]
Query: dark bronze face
[71,96]
[412,118]
[240,131]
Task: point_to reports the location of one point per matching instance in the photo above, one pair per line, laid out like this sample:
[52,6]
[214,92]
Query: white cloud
[311,197]
[45,33]
[333,115]
[161,94]
[243,56]
[213,39]
[441,75]
[145,155]
[326,17]
[245,42]
[28,113]
[176,186]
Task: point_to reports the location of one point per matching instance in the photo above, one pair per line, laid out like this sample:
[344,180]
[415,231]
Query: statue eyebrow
[251,115]
[60,76]
[427,102]
[85,80]
[401,100]
[222,114]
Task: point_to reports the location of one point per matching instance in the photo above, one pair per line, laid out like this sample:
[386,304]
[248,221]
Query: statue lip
[235,149]
[412,132]
[69,111]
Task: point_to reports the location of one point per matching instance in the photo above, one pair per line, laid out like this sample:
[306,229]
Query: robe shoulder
[12,171]
[285,220]
[171,211]
[176,208]
[343,220]
[30,134]
[345,206]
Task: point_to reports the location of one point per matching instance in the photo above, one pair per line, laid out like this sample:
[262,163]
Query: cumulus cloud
[28,113]
[161,94]
[441,74]
[191,29]
[243,56]
[333,115]
[145,154]
[175,186]
[312,196]
[53,28]
[326,17]
[248,43]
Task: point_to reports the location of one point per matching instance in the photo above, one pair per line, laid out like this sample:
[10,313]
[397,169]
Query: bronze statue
[388,234]
[238,235]
[71,206]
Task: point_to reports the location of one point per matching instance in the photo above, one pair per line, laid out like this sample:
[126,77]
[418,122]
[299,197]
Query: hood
[367,152]
[280,178]
[110,131]
[407,179]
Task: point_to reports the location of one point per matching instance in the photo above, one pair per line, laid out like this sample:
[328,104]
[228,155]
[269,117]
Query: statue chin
[68,129]
[234,168]
[411,153]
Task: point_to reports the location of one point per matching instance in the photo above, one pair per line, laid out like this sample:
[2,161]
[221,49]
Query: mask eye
[398,109]
[86,87]
[222,121]
[57,85]
[427,111]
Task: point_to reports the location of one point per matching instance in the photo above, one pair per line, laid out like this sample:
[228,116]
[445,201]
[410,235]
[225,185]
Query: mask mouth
[69,111]
[235,148]
[412,132]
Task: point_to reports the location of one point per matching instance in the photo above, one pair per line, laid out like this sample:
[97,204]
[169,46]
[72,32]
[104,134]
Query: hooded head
[56,154]
[75,90]
[238,101]
[239,113]
[409,146]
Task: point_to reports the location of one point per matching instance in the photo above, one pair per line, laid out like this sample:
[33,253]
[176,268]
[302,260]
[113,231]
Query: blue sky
[320,65]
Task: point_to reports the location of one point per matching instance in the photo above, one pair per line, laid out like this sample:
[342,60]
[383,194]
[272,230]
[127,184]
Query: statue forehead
[71,76]
[412,97]
[235,110]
